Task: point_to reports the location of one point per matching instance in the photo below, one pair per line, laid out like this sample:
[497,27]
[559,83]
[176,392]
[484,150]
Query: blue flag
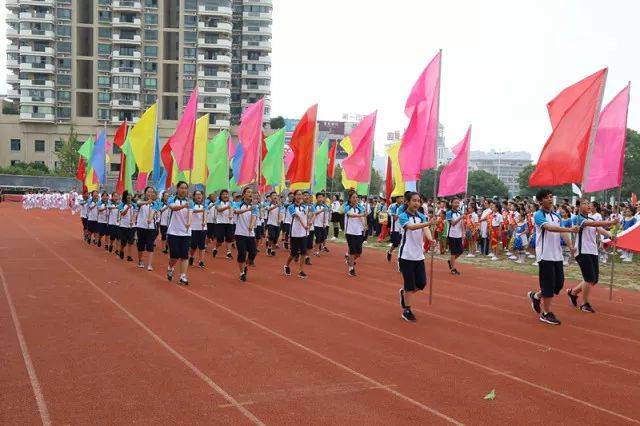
[98,158]
[159,174]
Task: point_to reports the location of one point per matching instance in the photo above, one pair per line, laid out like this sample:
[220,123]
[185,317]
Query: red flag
[634,199]
[332,160]
[573,114]
[167,163]
[118,139]
[628,240]
[302,144]
[389,181]
[81,170]
[121,134]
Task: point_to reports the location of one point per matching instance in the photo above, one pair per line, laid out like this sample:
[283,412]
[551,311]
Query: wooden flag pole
[433,249]
[613,253]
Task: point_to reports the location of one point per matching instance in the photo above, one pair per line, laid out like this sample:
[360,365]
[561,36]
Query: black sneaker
[454,271]
[388,256]
[574,299]
[535,303]
[307,260]
[287,270]
[201,264]
[191,261]
[587,308]
[302,275]
[229,256]
[169,274]
[117,252]
[214,252]
[129,259]
[402,298]
[121,254]
[549,318]
[243,276]
[352,272]
[99,243]
[110,248]
[286,245]
[346,259]
[325,249]
[183,281]
[407,315]
[449,263]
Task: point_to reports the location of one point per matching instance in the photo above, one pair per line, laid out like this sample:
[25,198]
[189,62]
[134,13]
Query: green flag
[218,162]
[130,164]
[273,162]
[362,188]
[320,167]
[86,149]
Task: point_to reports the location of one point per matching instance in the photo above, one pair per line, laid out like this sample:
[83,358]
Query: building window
[190,4]
[151,51]
[190,69]
[115,167]
[188,84]
[104,81]
[150,66]
[104,16]
[64,63]
[150,35]
[64,112]
[39,145]
[104,65]
[103,114]
[189,52]
[150,3]
[104,97]
[150,83]
[104,49]
[57,145]
[103,2]
[104,32]
[15,145]
[150,18]
[63,30]
[63,13]
[190,36]
[15,162]
[63,47]
[63,79]
[64,95]
[190,21]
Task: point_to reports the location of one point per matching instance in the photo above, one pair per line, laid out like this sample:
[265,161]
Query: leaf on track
[491,395]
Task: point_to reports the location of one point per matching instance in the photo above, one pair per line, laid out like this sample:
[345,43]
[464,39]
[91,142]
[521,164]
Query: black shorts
[146,239]
[273,232]
[312,233]
[355,243]
[85,223]
[395,239]
[455,246]
[321,235]
[197,240]
[92,226]
[589,267]
[163,232]
[246,246]
[102,228]
[551,276]
[224,232]
[211,230]
[112,230]
[259,232]
[413,274]
[126,235]
[298,246]
[178,246]
[286,228]
[335,217]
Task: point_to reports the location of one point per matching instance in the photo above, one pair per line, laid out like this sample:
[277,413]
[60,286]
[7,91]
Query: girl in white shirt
[164,220]
[198,229]
[113,223]
[126,231]
[146,227]
[355,220]
[224,226]
[246,214]
[179,232]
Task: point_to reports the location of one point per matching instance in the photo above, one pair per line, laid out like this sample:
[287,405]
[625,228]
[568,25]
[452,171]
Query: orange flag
[573,114]
[302,144]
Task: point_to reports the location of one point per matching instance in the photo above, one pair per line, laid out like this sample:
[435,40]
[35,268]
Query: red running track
[86,337]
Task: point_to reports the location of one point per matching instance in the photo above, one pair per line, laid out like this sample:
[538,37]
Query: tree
[375,185]
[631,175]
[27,169]
[485,184]
[276,123]
[527,191]
[425,184]
[68,155]
[335,184]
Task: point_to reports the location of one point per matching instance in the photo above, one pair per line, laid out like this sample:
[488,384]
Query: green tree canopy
[631,176]
[27,169]
[68,155]
[485,184]
[276,122]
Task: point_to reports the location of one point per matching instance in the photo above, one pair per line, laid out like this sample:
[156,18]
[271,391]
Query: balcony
[125,104]
[126,71]
[117,55]
[260,60]
[35,84]
[215,11]
[218,75]
[11,4]
[224,91]
[36,116]
[219,124]
[11,32]
[36,17]
[12,17]
[261,30]
[12,78]
[12,48]
[212,107]
[29,50]
[215,59]
[12,63]
[257,45]
[47,3]
[39,100]
[257,16]
[128,88]
[116,120]
[126,5]
[256,74]
[37,67]
[117,22]
[220,43]
[13,93]
[218,27]
[37,34]
[136,39]
[255,88]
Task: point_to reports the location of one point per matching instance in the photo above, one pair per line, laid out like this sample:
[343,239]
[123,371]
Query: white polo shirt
[198,217]
[225,216]
[287,214]
[455,231]
[273,216]
[178,219]
[92,210]
[321,218]
[103,212]
[483,226]
[164,215]
[211,211]
[243,220]
[114,214]
[299,222]
[353,225]
[547,243]
[412,245]
[142,220]
[127,217]
[586,240]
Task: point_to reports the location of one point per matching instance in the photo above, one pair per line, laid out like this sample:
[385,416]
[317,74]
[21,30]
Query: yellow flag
[143,136]
[393,151]
[346,145]
[88,180]
[198,173]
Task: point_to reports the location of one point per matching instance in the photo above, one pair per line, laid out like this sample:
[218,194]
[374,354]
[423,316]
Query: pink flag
[454,176]
[419,142]
[288,157]
[181,141]
[250,137]
[141,181]
[357,166]
[232,147]
[606,161]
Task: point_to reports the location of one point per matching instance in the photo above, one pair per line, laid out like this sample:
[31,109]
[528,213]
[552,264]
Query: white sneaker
[494,258]
[509,254]
[471,255]
[140,265]
[512,257]
[333,238]
[626,260]
[534,264]
[530,256]
[149,268]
